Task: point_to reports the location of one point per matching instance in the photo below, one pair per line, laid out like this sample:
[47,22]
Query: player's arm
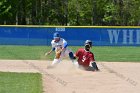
[93,63]
[77,53]
[48,53]
[53,49]
[65,44]
[58,51]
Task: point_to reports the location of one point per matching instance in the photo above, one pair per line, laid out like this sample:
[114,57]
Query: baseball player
[85,57]
[60,46]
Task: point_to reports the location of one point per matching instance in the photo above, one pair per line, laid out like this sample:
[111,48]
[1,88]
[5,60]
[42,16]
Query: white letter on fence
[115,34]
[130,36]
[138,36]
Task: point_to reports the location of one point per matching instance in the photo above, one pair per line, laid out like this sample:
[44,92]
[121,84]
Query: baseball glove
[58,53]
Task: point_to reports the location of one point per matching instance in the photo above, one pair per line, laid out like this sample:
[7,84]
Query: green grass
[101,53]
[20,82]
[22,52]
[124,54]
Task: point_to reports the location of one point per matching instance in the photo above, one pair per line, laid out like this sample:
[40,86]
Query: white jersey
[61,44]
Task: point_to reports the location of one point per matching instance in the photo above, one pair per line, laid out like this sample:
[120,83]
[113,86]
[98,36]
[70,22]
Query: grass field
[20,82]
[101,53]
[33,82]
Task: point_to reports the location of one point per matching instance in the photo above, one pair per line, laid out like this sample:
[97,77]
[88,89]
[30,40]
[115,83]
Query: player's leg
[55,62]
[57,58]
[90,69]
[73,59]
[70,54]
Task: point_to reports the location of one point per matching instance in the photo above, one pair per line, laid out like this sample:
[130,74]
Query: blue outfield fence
[101,36]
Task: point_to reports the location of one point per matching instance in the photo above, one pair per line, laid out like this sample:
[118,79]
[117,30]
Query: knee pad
[71,55]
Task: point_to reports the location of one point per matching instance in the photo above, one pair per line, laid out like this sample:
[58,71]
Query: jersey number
[84,58]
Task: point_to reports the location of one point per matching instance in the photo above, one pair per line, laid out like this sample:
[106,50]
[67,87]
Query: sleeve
[65,44]
[92,58]
[77,54]
[53,45]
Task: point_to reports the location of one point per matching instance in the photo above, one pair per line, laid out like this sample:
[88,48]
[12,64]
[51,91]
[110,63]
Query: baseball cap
[56,35]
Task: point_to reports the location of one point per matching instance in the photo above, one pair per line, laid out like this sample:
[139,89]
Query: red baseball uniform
[84,57]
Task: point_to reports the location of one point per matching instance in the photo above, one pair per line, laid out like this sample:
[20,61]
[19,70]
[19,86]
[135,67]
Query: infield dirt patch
[114,77]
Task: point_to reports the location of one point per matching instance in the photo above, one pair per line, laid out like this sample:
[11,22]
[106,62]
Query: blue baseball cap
[88,42]
[56,35]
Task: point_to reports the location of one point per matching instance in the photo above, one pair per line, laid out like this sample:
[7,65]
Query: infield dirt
[113,77]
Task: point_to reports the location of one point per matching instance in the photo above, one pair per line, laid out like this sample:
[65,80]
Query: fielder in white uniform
[60,44]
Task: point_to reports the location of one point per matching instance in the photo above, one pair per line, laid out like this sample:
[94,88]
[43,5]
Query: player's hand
[48,53]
